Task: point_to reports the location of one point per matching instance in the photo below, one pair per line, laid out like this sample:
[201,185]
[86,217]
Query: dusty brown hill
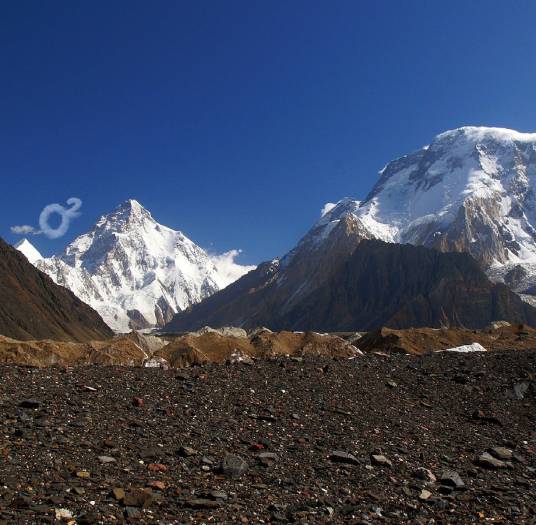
[210,347]
[377,284]
[120,350]
[32,306]
[184,351]
[426,340]
[190,349]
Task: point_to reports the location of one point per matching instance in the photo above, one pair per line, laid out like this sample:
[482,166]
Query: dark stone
[233,466]
[201,503]
[450,478]
[486,460]
[186,452]
[138,498]
[30,403]
[338,456]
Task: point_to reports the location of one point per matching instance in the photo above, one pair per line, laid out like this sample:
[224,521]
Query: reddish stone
[137,402]
[158,485]
[157,467]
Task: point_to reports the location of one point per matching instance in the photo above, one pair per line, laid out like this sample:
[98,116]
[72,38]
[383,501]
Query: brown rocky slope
[189,350]
[32,306]
[375,284]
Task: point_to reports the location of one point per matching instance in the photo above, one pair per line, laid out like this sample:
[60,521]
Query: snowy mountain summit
[136,272]
[472,189]
[29,250]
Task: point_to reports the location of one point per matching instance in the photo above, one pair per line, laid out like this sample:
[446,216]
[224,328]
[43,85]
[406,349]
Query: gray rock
[337,456]
[378,459]
[151,453]
[106,459]
[233,466]
[520,389]
[218,494]
[267,458]
[202,503]
[486,460]
[502,453]
[451,478]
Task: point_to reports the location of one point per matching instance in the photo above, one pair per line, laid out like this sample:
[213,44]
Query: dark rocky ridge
[376,284]
[32,306]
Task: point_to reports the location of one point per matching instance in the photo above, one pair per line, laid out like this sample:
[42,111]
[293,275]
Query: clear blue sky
[235,121]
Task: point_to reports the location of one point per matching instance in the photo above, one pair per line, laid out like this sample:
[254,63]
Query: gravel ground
[441,438]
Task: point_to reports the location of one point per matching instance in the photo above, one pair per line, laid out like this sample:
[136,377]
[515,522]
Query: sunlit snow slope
[29,250]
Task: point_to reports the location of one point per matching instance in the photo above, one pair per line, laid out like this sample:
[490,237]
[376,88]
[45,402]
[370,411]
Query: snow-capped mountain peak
[29,250]
[136,272]
[471,189]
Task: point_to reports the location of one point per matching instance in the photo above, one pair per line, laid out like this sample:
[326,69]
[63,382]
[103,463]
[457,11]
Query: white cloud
[24,229]
[229,270]
[66,215]
[327,208]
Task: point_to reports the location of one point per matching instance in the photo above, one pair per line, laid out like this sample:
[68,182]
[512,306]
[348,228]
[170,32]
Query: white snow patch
[327,208]
[465,349]
[29,250]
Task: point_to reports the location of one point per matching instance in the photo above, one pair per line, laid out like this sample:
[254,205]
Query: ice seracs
[136,272]
[29,250]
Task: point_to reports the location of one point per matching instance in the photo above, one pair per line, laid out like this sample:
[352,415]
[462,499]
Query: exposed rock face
[275,288]
[379,284]
[32,306]
[400,286]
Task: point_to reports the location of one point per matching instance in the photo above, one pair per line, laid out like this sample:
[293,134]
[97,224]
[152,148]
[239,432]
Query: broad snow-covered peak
[492,165]
[471,189]
[483,133]
[29,250]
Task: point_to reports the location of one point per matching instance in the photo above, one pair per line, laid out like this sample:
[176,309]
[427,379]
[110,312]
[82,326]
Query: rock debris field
[383,438]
